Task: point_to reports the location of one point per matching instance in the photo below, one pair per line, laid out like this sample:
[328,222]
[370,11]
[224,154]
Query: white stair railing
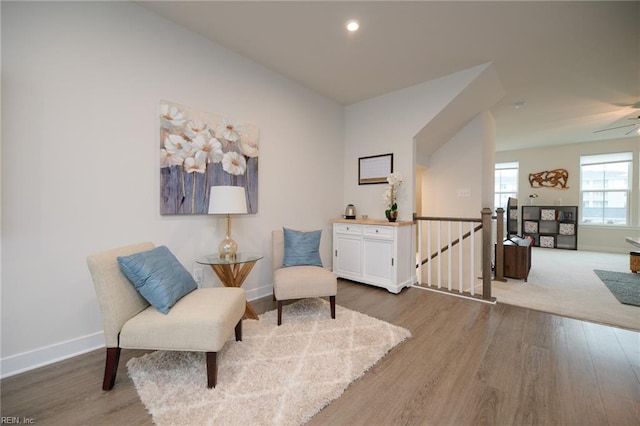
[457,258]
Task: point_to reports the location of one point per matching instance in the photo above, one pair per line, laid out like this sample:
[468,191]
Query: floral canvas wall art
[199,150]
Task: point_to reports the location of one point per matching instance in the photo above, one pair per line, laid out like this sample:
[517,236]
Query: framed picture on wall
[374,169]
[198,150]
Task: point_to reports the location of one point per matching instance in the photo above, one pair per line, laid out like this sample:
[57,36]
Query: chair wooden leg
[110,368]
[279,303]
[239,330]
[212,369]
[332,302]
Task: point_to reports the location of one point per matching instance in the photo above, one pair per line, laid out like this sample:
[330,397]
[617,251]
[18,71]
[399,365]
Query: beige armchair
[299,282]
[201,321]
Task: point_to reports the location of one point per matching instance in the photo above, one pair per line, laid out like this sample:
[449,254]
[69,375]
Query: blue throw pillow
[301,248]
[158,276]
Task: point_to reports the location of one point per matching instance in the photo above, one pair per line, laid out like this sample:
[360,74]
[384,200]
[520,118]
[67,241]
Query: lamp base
[228,249]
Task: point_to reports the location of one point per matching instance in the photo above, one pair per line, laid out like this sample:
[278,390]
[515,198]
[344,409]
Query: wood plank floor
[467,363]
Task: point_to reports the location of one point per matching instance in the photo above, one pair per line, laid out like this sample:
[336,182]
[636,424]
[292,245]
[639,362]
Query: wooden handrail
[448,219]
[453,243]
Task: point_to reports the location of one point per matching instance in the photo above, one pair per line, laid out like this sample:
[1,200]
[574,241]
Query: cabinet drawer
[378,232]
[346,228]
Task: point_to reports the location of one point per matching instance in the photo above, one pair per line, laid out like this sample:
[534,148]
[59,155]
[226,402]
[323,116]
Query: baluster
[429,223]
[439,254]
[460,258]
[449,258]
[472,281]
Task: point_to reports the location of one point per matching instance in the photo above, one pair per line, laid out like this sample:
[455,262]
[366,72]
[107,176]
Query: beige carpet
[563,282]
[275,376]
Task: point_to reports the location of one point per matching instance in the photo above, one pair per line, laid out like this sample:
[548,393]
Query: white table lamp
[227,200]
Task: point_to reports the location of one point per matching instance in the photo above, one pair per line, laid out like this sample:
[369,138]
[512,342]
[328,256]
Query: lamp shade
[227,200]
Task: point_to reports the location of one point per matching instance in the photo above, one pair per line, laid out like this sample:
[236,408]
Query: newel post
[486,253]
[499,271]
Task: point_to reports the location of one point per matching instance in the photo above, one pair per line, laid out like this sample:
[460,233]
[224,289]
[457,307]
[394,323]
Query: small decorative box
[530,227]
[547,214]
[547,241]
[567,229]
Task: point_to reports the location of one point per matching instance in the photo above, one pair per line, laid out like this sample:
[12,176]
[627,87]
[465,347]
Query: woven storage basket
[634,261]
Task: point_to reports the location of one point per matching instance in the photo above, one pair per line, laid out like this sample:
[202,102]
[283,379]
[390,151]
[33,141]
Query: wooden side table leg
[240,276]
[234,276]
[250,313]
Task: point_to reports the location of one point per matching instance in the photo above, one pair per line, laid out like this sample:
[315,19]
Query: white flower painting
[199,150]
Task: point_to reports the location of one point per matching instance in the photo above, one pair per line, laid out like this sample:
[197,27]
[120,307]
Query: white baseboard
[31,360]
[606,249]
[26,361]
[260,292]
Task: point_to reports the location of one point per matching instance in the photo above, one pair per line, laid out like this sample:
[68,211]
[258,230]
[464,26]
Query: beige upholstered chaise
[299,282]
[201,321]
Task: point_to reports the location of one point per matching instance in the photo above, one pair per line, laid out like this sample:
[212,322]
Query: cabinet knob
[376,231]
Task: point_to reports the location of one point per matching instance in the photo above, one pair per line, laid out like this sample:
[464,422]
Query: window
[506,183]
[605,188]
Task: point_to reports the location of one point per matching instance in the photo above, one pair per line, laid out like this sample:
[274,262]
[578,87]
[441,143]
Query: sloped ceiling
[479,95]
[576,65]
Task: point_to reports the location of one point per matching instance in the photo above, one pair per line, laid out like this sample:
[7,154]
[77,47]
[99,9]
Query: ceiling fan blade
[613,128]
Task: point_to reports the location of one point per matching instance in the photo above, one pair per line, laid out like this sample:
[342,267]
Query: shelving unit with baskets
[551,226]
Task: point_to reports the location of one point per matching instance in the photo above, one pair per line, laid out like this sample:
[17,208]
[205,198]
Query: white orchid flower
[168,159]
[228,130]
[234,163]
[390,192]
[171,117]
[197,163]
[386,196]
[394,179]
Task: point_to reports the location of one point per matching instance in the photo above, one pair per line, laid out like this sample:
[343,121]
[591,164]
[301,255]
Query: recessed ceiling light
[353,25]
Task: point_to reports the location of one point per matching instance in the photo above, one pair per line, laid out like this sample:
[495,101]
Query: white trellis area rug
[275,376]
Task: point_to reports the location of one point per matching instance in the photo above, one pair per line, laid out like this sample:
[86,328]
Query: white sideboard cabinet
[374,252]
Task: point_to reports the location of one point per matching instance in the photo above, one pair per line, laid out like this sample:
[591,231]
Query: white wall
[81,84]
[388,124]
[401,122]
[594,238]
[459,167]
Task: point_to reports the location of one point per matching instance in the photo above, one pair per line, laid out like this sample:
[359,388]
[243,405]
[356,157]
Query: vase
[392,215]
